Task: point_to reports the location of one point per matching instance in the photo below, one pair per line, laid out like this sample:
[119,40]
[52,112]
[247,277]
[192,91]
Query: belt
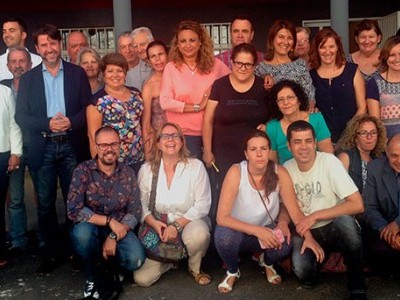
[58,139]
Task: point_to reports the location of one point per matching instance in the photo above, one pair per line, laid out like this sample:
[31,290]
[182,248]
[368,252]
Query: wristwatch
[196,107]
[178,227]
[112,235]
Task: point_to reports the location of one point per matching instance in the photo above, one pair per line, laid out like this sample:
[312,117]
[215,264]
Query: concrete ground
[19,280]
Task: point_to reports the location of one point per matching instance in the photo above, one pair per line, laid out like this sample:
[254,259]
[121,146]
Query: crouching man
[329,199]
[104,204]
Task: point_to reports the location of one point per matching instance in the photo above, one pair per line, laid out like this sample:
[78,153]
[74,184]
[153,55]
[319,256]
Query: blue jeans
[342,235]
[16,208]
[59,161]
[230,243]
[4,157]
[195,145]
[88,240]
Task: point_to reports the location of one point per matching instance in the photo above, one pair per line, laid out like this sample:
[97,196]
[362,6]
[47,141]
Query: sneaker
[90,290]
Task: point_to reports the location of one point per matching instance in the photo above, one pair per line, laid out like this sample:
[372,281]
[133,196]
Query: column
[122,16]
[340,20]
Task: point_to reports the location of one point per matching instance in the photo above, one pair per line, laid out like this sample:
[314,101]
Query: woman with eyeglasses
[302,48]
[383,90]
[363,140]
[183,195]
[119,107]
[282,63]
[290,104]
[236,105]
[339,85]
[187,80]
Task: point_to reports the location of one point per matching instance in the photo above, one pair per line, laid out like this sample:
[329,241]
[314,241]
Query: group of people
[226,146]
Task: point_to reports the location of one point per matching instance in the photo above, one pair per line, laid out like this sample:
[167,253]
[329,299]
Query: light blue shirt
[54,91]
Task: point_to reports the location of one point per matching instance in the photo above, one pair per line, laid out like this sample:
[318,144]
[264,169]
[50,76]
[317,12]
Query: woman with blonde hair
[90,61]
[187,81]
[363,140]
[183,197]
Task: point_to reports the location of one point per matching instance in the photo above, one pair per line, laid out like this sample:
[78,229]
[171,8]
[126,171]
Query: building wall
[163,20]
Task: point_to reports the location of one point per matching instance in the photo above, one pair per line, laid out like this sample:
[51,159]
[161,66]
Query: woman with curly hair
[289,104]
[363,140]
[187,80]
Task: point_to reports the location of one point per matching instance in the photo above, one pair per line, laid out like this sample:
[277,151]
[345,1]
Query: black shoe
[76,263]
[48,265]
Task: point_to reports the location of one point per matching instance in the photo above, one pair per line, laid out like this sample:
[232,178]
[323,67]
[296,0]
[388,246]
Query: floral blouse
[296,70]
[125,117]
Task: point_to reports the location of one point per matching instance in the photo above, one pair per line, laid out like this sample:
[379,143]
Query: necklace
[191,70]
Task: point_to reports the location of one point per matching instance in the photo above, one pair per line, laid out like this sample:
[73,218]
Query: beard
[109,161]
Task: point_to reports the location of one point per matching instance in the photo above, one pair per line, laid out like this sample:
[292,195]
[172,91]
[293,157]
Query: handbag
[171,251]
[278,233]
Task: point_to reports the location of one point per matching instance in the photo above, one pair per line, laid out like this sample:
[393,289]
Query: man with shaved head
[382,210]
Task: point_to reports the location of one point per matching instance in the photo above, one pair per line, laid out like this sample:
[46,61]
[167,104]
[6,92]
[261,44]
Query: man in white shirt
[141,38]
[14,35]
[329,199]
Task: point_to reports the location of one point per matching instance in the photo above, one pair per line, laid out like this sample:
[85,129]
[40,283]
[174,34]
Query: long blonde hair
[205,57]
[156,154]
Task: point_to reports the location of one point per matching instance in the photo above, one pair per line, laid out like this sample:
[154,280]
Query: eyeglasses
[169,136]
[365,133]
[239,65]
[105,146]
[303,41]
[288,98]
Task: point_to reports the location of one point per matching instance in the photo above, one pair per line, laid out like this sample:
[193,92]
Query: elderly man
[382,210]
[125,47]
[76,40]
[104,204]
[51,111]
[141,38]
[15,33]
[18,63]
[242,31]
[329,200]
[10,151]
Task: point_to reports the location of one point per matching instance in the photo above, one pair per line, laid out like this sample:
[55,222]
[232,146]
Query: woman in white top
[250,216]
[184,194]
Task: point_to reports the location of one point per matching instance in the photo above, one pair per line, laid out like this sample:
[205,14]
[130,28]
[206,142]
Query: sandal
[225,285]
[200,278]
[275,278]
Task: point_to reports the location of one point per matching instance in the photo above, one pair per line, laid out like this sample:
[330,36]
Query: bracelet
[108,221]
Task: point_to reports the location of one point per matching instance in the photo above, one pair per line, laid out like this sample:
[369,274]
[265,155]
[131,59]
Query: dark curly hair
[298,91]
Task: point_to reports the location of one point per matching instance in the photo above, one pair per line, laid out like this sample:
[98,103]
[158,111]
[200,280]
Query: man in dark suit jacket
[382,213]
[51,107]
